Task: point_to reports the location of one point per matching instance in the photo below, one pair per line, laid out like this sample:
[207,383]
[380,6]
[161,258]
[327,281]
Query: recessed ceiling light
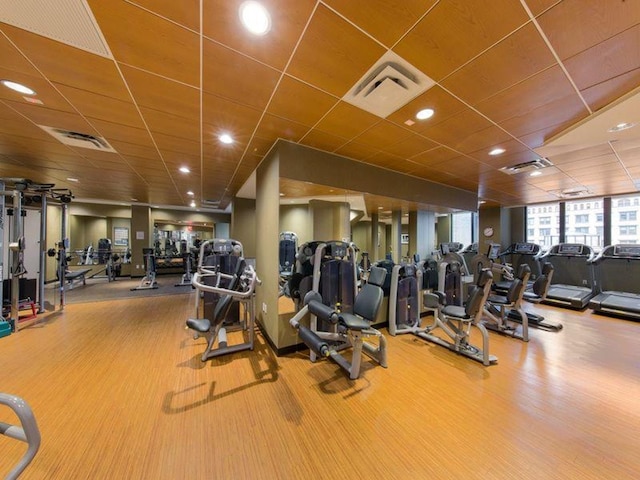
[497,151]
[18,87]
[424,114]
[255,17]
[71,179]
[535,173]
[185,169]
[190,193]
[409,123]
[621,126]
[134,199]
[225,138]
[35,101]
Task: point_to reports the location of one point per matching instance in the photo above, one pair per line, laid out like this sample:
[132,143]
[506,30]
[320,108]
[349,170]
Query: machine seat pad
[499,299]
[456,311]
[353,322]
[199,324]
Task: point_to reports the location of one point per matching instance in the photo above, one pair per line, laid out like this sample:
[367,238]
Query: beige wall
[243,225]
[296,219]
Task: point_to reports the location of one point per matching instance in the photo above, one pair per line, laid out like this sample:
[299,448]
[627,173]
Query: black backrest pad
[377,276]
[368,301]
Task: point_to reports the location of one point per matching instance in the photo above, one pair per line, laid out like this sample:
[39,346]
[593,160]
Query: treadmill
[572,285]
[519,253]
[617,269]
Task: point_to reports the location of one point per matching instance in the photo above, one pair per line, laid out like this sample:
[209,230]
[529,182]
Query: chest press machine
[225,288]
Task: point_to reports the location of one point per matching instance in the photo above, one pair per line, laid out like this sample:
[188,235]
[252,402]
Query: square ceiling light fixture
[388,85]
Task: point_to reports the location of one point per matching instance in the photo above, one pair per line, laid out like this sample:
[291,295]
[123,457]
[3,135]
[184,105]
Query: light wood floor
[119,392]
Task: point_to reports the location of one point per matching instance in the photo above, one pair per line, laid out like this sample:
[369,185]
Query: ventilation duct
[211,203]
[388,85]
[529,167]
[77,139]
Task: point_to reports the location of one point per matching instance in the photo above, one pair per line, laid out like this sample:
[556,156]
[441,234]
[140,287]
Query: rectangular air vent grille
[530,166]
[572,192]
[78,139]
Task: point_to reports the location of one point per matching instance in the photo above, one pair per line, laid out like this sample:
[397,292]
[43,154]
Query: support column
[375,238]
[141,228]
[396,235]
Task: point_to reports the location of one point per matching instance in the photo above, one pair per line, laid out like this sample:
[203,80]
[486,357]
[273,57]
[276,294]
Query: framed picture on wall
[121,236]
[404,238]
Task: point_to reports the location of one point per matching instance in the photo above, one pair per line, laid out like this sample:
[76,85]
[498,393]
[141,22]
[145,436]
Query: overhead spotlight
[17,87]
[190,193]
[621,126]
[225,138]
[185,169]
[255,17]
[497,151]
[425,113]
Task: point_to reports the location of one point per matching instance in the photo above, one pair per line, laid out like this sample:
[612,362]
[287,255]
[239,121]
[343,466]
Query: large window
[463,227]
[628,215]
[624,219]
[543,222]
[581,227]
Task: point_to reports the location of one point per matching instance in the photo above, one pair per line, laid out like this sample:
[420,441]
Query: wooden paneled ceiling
[510,74]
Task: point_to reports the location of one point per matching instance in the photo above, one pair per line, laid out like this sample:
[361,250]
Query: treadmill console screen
[409,271]
[627,250]
[524,248]
[570,249]
[222,247]
[494,251]
[338,249]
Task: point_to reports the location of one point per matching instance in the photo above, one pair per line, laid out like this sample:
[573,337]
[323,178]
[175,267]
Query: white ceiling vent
[529,167]
[389,84]
[572,192]
[66,21]
[77,139]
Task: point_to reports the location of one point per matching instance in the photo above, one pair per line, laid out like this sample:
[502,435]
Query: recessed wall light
[190,193]
[497,151]
[18,87]
[225,138]
[425,113]
[536,173]
[185,169]
[621,126]
[255,17]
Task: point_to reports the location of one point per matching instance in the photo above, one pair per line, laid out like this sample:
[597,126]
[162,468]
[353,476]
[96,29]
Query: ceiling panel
[171,90]
[432,48]
[133,33]
[67,65]
[513,60]
[221,22]
[373,16]
[310,106]
[595,22]
[333,54]
[184,12]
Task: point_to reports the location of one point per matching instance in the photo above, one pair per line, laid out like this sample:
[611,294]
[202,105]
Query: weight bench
[73,276]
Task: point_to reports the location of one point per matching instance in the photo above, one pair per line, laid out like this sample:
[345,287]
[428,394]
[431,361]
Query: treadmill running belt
[622,302]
